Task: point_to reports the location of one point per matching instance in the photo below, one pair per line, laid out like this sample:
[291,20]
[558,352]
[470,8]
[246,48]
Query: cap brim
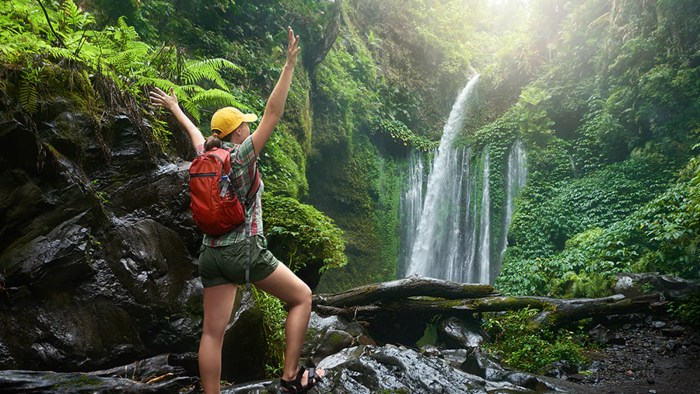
[250,117]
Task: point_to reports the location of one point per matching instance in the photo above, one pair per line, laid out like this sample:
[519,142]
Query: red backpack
[215,207]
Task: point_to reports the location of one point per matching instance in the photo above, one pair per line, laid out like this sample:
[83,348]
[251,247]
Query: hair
[212,142]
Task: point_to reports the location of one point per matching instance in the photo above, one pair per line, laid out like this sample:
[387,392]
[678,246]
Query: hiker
[223,258]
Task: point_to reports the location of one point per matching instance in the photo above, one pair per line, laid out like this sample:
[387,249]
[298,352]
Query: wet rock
[368,369]
[559,370]
[457,333]
[479,364]
[430,351]
[456,357]
[86,285]
[625,285]
[600,334]
[365,369]
[658,324]
[319,344]
[332,342]
[18,381]
[243,352]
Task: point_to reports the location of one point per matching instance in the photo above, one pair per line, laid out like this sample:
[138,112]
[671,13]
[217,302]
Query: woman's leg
[218,304]
[285,285]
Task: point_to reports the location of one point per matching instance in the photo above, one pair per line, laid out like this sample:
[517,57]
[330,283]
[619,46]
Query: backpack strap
[250,198]
[247,200]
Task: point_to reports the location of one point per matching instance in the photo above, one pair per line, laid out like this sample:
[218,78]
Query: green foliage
[274,316]
[526,347]
[300,235]
[403,135]
[662,235]
[68,36]
[687,310]
[532,118]
[282,165]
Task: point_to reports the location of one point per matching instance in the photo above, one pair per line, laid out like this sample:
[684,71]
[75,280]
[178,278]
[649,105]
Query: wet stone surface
[645,355]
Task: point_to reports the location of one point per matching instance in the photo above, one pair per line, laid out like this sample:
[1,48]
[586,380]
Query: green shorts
[226,264]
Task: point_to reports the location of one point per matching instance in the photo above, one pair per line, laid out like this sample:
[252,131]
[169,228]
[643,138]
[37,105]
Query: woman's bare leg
[285,285]
[218,305]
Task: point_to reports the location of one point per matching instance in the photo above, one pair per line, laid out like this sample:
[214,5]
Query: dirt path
[645,355]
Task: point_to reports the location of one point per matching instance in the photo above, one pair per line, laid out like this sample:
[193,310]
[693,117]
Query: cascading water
[516,176]
[484,263]
[411,206]
[432,252]
[446,221]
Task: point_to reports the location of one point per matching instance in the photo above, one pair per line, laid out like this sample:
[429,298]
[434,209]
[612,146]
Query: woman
[222,260]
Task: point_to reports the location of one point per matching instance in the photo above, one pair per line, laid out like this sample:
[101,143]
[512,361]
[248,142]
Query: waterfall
[516,176]
[431,250]
[446,218]
[484,262]
[410,207]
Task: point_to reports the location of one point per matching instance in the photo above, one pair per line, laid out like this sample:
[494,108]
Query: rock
[96,267]
[559,370]
[369,369]
[319,344]
[332,342]
[455,357]
[457,333]
[658,324]
[625,286]
[243,351]
[600,334]
[479,364]
[366,369]
[19,381]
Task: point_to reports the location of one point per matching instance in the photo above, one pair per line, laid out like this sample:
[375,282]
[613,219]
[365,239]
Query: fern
[27,88]
[216,98]
[196,71]
[73,17]
[61,53]
[134,55]
[115,52]
[192,109]
[125,33]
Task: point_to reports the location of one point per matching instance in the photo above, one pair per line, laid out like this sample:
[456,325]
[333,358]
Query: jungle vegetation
[605,95]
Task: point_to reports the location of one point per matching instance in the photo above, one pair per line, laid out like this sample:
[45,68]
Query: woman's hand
[161,99]
[292,48]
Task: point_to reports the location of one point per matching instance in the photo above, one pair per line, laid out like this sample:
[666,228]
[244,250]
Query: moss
[301,235]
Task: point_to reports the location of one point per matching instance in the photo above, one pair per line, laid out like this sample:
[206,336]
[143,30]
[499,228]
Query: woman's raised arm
[278,97]
[169,101]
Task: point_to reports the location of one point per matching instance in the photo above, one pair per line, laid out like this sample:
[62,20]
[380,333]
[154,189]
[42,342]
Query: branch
[46,14]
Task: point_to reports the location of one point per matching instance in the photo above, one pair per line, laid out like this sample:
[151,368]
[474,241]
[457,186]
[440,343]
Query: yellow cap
[228,119]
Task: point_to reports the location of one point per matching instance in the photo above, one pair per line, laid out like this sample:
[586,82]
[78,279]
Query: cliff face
[97,245]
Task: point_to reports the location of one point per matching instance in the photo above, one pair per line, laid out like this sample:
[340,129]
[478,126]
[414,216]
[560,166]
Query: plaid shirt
[243,167]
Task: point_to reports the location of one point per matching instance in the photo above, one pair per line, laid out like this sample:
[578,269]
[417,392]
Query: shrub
[528,347]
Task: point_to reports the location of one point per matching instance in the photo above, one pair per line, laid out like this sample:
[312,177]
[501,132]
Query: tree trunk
[404,288]
[394,299]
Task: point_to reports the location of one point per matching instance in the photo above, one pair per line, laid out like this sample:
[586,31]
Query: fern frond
[192,109]
[73,17]
[134,55]
[61,53]
[160,83]
[28,96]
[192,89]
[217,98]
[128,33]
[207,69]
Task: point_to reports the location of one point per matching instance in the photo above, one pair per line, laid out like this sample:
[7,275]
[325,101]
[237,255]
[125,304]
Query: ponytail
[212,142]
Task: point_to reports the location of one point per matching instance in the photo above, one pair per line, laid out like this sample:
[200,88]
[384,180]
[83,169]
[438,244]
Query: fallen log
[404,288]
[407,299]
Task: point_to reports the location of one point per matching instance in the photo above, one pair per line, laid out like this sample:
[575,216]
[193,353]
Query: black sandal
[295,386]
